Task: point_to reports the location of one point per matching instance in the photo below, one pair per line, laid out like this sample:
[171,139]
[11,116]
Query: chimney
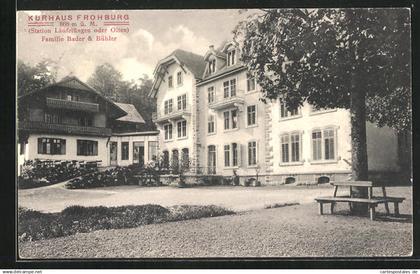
[211,47]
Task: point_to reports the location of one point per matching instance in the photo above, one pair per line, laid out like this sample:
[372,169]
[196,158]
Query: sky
[153,35]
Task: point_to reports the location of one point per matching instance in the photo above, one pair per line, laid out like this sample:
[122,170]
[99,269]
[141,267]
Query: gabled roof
[221,51]
[75,83]
[193,62]
[132,116]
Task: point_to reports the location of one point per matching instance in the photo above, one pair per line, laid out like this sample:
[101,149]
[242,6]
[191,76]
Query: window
[284,112]
[170,82]
[231,57]
[212,66]
[165,159]
[323,144]
[251,115]
[211,159]
[227,155]
[175,160]
[210,124]
[124,150]
[234,115]
[182,102]
[72,97]
[232,155]
[185,158]
[168,131]
[329,144]
[235,154]
[285,148]
[295,141]
[250,82]
[290,148]
[51,146]
[182,128]
[179,78]
[153,150]
[230,118]
[52,118]
[226,119]
[168,106]
[85,121]
[210,93]
[87,148]
[229,88]
[316,145]
[252,153]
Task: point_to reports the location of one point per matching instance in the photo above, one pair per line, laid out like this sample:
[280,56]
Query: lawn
[56,198]
[291,231]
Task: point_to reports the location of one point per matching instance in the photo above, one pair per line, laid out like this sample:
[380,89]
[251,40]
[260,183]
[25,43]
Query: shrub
[187,212]
[117,176]
[35,225]
[276,205]
[39,173]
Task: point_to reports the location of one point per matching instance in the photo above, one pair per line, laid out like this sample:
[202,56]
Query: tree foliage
[322,56]
[108,80]
[31,78]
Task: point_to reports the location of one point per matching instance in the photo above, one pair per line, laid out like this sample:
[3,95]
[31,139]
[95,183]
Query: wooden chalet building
[69,120]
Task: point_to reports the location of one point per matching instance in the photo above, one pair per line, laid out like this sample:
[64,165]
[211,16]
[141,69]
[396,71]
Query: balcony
[221,103]
[72,105]
[161,117]
[64,129]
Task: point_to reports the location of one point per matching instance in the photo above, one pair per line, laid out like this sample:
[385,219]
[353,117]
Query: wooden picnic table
[371,201]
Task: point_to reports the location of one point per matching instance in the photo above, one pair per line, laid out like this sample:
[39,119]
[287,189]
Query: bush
[35,225]
[276,205]
[39,173]
[187,212]
[117,176]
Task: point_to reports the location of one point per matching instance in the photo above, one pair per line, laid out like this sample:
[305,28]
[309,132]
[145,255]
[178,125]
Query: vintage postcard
[214,133]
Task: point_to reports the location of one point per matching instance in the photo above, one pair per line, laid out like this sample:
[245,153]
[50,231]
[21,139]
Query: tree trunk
[359,148]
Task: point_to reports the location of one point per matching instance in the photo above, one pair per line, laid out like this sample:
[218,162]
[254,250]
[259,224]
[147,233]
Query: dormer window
[212,66]
[231,57]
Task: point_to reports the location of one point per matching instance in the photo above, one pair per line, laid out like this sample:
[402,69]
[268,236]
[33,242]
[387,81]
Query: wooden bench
[371,201]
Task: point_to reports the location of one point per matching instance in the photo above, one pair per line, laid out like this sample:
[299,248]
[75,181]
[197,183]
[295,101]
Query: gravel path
[289,231]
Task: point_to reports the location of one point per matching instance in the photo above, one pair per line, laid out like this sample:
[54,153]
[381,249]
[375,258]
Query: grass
[34,225]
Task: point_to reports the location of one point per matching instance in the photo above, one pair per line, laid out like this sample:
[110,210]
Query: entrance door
[211,159]
[138,153]
[113,148]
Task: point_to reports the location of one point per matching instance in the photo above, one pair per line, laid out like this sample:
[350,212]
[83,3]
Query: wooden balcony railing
[61,128]
[73,105]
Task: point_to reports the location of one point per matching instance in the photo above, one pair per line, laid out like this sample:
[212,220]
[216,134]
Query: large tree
[108,80]
[356,59]
[137,94]
[31,78]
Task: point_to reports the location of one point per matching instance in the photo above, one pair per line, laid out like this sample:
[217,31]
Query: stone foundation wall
[392,178]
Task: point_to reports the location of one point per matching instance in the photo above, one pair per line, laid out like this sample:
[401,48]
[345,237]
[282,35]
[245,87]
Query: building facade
[69,120]
[228,127]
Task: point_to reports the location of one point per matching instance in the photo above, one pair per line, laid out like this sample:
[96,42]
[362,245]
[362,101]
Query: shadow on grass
[379,217]
[402,218]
